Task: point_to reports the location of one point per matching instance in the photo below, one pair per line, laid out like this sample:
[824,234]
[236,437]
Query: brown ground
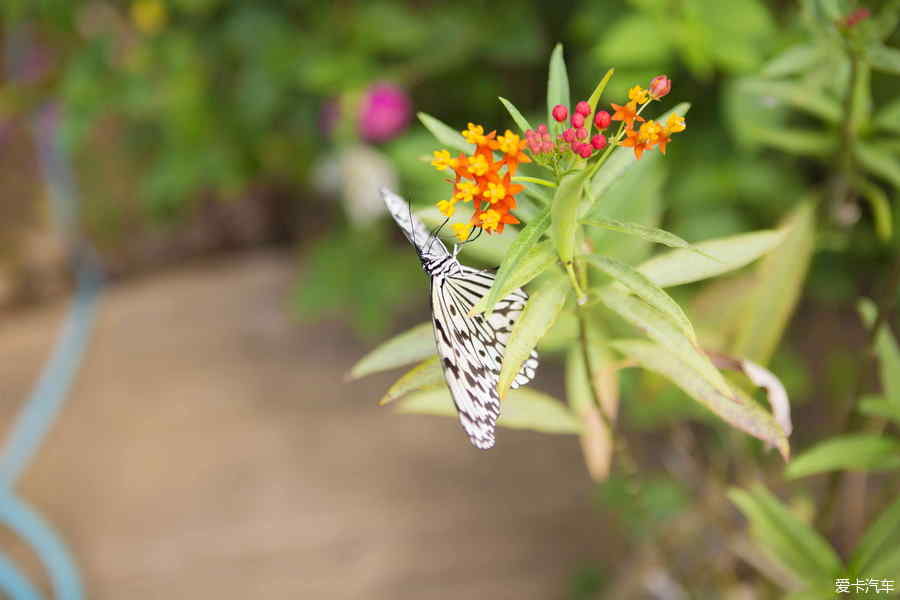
[212,450]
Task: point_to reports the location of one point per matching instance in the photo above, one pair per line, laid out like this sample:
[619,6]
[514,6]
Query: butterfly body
[470,347]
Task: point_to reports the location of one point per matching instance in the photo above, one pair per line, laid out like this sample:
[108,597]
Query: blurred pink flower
[384,113]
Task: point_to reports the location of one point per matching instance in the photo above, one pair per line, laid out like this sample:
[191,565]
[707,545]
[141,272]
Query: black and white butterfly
[470,348]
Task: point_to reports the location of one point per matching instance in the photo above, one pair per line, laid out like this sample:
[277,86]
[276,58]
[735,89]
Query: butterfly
[470,348]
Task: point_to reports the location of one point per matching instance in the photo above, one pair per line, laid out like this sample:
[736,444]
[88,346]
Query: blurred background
[218,162]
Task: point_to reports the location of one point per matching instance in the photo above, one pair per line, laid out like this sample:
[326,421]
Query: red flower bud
[856,16]
[660,86]
[583,108]
[580,133]
[585,150]
[542,129]
[546,146]
[602,119]
[560,113]
[569,135]
[598,141]
[577,120]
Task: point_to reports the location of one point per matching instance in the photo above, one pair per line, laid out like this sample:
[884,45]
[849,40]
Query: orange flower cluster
[650,133]
[479,179]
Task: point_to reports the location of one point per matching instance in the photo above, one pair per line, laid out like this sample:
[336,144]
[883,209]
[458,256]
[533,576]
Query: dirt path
[212,450]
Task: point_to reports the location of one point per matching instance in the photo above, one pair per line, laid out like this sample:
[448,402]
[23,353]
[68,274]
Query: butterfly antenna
[477,235]
[435,233]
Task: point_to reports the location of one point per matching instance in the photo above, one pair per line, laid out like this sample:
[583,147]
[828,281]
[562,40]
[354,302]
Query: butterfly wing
[412,227]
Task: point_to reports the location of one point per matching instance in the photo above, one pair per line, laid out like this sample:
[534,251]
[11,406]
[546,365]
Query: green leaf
[889,563]
[523,408]
[681,266]
[737,409]
[564,211]
[408,347]
[444,133]
[639,284]
[521,122]
[778,282]
[879,162]
[798,95]
[881,208]
[528,237]
[650,234]
[621,159]
[888,118]
[797,545]
[888,354]
[885,59]
[538,259]
[859,452]
[794,60]
[879,406]
[595,98]
[801,142]
[557,82]
[538,316]
[880,537]
[427,373]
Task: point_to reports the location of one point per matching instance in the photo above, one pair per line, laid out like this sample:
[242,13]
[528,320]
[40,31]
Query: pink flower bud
[660,86]
[569,135]
[602,119]
[585,150]
[545,137]
[542,129]
[583,108]
[547,146]
[560,113]
[580,133]
[598,141]
[577,120]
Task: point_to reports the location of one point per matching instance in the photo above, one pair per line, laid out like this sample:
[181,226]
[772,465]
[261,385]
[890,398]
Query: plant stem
[535,180]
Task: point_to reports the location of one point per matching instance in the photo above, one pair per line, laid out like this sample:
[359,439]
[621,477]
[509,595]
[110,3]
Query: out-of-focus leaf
[408,347]
[736,408]
[565,213]
[595,98]
[889,562]
[887,351]
[888,118]
[650,234]
[521,122]
[862,99]
[714,311]
[778,282]
[427,373]
[684,266]
[879,406]
[620,160]
[557,82]
[801,142]
[879,162]
[885,59]
[538,316]
[796,59]
[596,438]
[797,545]
[523,408]
[444,133]
[561,335]
[886,20]
[881,208]
[798,95]
[538,259]
[880,537]
[639,284]
[861,452]
[526,240]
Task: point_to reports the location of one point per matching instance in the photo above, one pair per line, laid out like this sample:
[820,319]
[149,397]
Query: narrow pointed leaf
[444,133]
[796,59]
[595,98]
[640,285]
[805,142]
[683,266]
[879,162]
[859,452]
[538,316]
[427,373]
[408,347]
[650,234]
[521,122]
[888,354]
[879,406]
[526,240]
[523,408]
[881,209]
[557,82]
[564,211]
[885,59]
[538,259]
[738,410]
[880,536]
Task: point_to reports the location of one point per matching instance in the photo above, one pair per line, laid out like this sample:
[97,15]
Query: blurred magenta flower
[384,112]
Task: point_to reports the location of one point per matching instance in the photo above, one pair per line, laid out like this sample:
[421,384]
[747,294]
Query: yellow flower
[490,219]
[442,160]
[478,165]
[649,131]
[475,134]
[462,230]
[675,123]
[638,94]
[495,192]
[508,143]
[447,207]
[466,190]
[149,16]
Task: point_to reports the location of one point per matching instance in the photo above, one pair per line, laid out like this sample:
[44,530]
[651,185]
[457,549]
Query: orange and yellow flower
[650,134]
